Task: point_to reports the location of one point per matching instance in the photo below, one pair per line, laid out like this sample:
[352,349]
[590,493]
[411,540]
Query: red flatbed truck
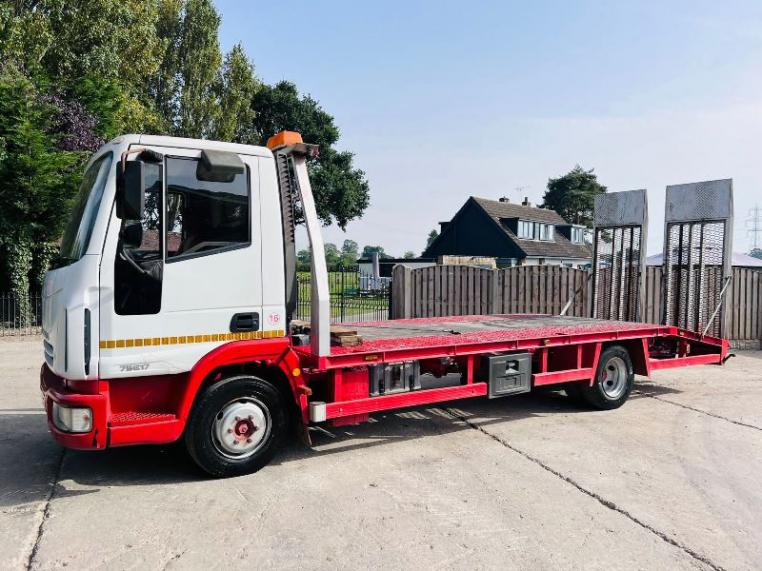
[169,318]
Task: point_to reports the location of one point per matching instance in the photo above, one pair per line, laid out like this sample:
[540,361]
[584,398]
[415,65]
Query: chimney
[504,199]
[443,226]
[526,202]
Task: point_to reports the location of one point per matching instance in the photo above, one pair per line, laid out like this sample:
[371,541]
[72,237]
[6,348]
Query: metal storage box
[509,374]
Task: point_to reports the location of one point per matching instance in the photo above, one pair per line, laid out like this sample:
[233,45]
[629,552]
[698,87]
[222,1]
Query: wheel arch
[270,359]
[638,351]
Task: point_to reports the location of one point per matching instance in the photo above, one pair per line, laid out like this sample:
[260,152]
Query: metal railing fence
[20,316]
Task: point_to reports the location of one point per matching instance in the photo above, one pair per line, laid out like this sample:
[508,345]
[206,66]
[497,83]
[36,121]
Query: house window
[578,235]
[526,229]
[535,231]
[545,232]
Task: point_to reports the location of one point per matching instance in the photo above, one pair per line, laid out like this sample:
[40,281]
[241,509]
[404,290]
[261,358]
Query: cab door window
[204,217]
[139,264]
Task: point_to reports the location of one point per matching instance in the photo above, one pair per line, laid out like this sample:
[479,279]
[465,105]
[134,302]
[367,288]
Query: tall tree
[36,177]
[199,61]
[235,88]
[341,191]
[164,86]
[185,88]
[573,195]
[433,235]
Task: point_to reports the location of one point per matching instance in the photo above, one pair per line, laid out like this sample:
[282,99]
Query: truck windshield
[77,234]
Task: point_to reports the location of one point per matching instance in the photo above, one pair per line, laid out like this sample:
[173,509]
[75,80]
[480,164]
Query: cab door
[204,237]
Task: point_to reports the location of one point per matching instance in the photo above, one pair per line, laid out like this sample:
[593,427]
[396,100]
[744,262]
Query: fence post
[401,306]
[493,295]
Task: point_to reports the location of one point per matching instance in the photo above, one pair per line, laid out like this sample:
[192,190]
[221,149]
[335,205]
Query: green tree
[199,63]
[756,253]
[25,34]
[573,195]
[235,87]
[107,47]
[164,86]
[341,191]
[409,255]
[350,251]
[111,39]
[303,260]
[368,251]
[36,178]
[332,255]
[433,235]
[186,85]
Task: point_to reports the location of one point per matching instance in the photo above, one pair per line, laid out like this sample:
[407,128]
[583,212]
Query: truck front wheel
[236,426]
[613,381]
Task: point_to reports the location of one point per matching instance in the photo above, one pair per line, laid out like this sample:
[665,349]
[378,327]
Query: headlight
[72,419]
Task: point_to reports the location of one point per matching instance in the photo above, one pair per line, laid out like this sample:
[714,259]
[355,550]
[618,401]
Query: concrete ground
[672,480]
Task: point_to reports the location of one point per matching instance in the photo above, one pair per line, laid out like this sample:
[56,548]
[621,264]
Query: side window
[204,217]
[138,270]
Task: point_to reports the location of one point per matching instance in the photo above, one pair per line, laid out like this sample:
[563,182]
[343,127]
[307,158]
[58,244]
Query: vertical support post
[320,311]
[594,284]
[727,273]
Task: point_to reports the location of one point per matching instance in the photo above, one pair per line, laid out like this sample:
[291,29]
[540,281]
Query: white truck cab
[151,296]
[176,248]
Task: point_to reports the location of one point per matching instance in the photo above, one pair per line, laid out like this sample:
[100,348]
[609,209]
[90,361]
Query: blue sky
[442,100]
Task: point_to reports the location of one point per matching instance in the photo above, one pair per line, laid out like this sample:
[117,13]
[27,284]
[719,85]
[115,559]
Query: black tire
[614,378]
[213,409]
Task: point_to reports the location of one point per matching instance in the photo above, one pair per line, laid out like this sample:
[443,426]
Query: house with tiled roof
[515,234]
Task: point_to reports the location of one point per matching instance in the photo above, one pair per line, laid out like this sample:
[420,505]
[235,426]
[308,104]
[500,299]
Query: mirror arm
[129,152]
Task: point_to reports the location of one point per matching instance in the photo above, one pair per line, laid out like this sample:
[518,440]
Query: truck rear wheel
[613,383]
[236,426]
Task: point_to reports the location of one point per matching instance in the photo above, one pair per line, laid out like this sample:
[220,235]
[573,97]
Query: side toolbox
[509,374]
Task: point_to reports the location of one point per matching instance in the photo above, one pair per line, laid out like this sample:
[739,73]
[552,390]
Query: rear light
[72,419]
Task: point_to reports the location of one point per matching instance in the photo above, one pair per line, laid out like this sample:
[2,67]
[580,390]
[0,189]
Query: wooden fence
[462,290]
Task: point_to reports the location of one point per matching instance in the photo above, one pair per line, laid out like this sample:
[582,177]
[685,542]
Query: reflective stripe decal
[187,339]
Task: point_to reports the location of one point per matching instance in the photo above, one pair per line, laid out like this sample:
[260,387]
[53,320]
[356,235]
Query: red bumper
[56,389]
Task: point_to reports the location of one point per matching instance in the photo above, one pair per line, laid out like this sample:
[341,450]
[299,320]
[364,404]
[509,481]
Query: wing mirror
[219,166]
[130,191]
[130,188]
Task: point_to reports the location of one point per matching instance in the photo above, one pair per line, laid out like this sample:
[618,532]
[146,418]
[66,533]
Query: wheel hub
[241,427]
[614,378]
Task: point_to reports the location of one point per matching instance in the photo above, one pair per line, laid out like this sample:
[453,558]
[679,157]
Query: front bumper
[56,389]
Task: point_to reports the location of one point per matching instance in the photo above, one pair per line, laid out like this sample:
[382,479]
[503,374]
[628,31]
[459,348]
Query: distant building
[514,234]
